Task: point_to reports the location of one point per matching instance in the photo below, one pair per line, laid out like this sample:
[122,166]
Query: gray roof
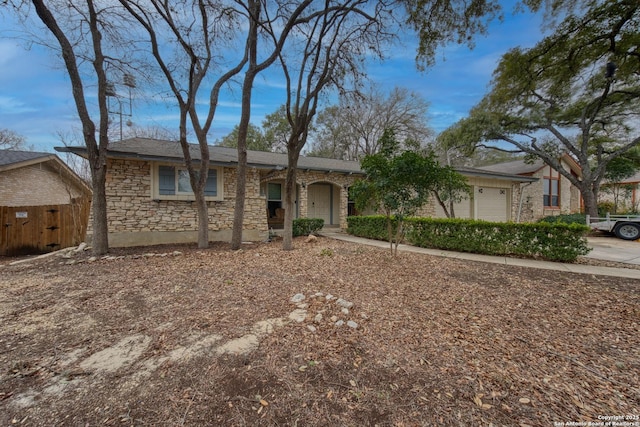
[10,157]
[517,167]
[161,150]
[483,173]
[171,151]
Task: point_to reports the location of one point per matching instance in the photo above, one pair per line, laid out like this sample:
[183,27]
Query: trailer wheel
[628,231]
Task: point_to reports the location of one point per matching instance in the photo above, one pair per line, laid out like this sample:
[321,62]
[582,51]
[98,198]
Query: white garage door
[492,204]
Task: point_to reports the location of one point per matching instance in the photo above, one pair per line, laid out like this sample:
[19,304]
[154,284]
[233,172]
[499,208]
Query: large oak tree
[575,92]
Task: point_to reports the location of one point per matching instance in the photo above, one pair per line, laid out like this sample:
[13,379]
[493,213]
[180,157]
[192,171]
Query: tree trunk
[590,201]
[289,196]
[100,237]
[203,219]
[241,190]
[243,126]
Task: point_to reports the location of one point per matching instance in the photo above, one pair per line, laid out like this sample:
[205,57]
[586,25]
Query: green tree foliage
[255,139]
[618,170]
[397,183]
[450,188]
[576,91]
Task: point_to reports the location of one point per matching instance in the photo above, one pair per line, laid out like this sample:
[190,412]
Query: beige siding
[35,185]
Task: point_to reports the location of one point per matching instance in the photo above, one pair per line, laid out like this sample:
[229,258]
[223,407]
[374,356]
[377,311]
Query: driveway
[611,248]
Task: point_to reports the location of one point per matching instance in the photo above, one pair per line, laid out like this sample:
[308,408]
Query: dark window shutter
[211,188]
[167,180]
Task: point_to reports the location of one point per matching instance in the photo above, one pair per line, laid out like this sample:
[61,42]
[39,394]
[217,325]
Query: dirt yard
[329,334]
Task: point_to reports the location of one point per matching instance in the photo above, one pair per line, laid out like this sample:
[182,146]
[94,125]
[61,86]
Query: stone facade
[36,185]
[340,182]
[135,217]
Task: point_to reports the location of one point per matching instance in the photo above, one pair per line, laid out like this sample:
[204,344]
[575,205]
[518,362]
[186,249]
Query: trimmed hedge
[306,226]
[370,227]
[565,218]
[554,242]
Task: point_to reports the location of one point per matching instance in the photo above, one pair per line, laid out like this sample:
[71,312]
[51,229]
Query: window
[551,197]
[172,183]
[274,198]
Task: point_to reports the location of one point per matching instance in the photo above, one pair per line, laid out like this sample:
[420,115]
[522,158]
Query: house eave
[124,155]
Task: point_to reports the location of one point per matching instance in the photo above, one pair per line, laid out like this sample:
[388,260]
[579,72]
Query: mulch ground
[438,341]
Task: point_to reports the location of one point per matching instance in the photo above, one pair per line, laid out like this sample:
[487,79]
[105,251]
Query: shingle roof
[159,150]
[517,167]
[162,150]
[9,157]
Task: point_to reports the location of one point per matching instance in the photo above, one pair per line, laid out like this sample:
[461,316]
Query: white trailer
[625,227]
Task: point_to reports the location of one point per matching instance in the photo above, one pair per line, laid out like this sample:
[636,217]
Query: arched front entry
[323,201]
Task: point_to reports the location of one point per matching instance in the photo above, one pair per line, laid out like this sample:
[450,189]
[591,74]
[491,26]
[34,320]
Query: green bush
[565,219]
[606,207]
[370,227]
[306,226]
[555,242]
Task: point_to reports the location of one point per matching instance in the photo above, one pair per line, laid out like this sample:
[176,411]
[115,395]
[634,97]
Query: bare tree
[354,128]
[325,54]
[80,36]
[195,29]
[10,140]
[277,27]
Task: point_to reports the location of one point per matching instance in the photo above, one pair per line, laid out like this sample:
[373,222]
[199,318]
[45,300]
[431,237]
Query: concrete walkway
[546,265]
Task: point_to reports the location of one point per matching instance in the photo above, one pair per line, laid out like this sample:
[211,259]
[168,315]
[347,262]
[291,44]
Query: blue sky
[36,101]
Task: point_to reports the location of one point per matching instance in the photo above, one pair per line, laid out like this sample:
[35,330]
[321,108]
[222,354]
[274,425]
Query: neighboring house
[150,201]
[44,205]
[550,194]
[29,178]
[624,195]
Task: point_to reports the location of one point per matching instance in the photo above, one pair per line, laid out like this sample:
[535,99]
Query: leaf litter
[437,341]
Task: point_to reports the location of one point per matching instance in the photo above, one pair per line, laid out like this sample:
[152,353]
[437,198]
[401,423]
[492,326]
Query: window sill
[190,199]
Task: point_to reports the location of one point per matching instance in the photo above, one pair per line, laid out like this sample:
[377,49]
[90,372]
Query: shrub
[556,242]
[606,207]
[306,226]
[565,219]
[370,227]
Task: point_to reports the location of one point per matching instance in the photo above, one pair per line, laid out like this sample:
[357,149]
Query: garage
[492,204]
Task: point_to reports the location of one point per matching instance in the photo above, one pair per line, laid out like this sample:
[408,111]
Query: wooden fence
[39,229]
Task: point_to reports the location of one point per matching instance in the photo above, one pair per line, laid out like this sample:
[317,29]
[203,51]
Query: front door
[319,202]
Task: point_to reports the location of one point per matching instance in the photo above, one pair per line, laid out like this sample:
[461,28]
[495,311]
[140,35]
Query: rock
[344,303]
[345,311]
[319,294]
[329,297]
[340,323]
[297,298]
[92,259]
[176,253]
[318,318]
[334,318]
[352,324]
[303,306]
[311,328]
[311,239]
[298,315]
[81,247]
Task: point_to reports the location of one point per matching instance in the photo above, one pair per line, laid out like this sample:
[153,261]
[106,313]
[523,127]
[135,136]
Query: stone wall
[135,218]
[304,178]
[36,185]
